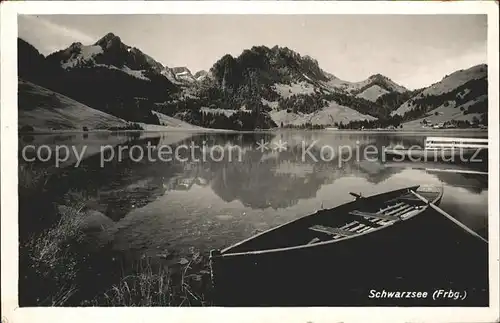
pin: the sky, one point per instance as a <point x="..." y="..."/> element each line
<point x="413" y="50"/>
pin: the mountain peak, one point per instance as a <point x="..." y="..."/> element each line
<point x="76" y="45"/>
<point x="385" y="82"/>
<point x="109" y="40"/>
<point x="378" y="77"/>
<point x="109" y="36"/>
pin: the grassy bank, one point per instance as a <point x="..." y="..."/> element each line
<point x="150" y="284"/>
<point x="62" y="264"/>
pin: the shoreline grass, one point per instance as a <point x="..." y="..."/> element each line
<point x="59" y="264"/>
<point x="151" y="285"/>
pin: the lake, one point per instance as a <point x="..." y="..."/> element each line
<point x="237" y="184"/>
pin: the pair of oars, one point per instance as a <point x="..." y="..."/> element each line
<point x="449" y="217"/>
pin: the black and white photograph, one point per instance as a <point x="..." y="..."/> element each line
<point x="260" y="160"/>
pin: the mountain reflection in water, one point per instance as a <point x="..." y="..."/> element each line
<point x="209" y="204"/>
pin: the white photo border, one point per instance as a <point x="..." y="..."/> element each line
<point x="9" y="207"/>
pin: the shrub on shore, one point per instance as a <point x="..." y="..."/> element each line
<point x="129" y="126"/>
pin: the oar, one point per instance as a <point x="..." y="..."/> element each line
<point x="357" y="196"/>
<point x="439" y="210"/>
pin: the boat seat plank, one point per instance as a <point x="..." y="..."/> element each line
<point x="391" y="207"/>
<point x="346" y="227"/>
<point x="410" y="213"/>
<point x="366" y="229"/>
<point x="332" y="231"/>
<point x="374" y="215"/>
<point x="401" y="209"/>
<point x="406" y="197"/>
<point x="375" y="218"/>
<point x="376" y="221"/>
<point x="363" y="229"/>
<point x="382" y="220"/>
<point x="364" y="221"/>
<point x="388" y="222"/>
<point x="397" y="216"/>
<point x="409" y="199"/>
<point x="355" y="229"/>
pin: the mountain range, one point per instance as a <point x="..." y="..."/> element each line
<point x="261" y="88"/>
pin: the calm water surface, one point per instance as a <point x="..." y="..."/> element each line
<point x="153" y="206"/>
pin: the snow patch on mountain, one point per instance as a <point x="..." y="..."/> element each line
<point x="271" y="104"/>
<point x="167" y="72"/>
<point x="307" y="77"/>
<point x="200" y="75"/>
<point x="81" y="55"/>
<point x="183" y="74"/>
<point x="138" y="74"/>
<point x="109" y="52"/>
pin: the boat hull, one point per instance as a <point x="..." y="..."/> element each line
<point x="423" y="254"/>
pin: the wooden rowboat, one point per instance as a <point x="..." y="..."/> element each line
<point x="335" y="257"/>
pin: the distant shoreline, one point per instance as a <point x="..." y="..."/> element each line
<point x="470" y="130"/>
<point x="205" y="130"/>
<point x="416" y="130"/>
<point x="76" y="131"/>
